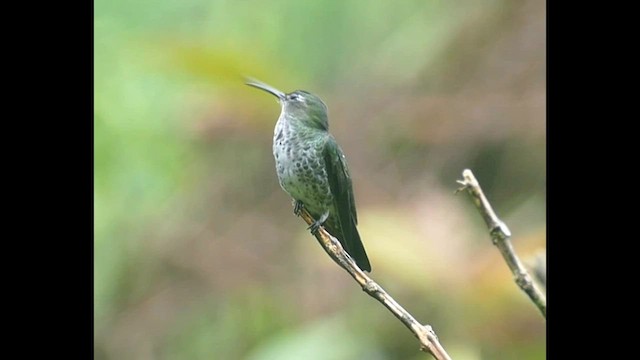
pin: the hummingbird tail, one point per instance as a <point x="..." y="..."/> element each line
<point x="350" y="241"/>
<point x="356" y="250"/>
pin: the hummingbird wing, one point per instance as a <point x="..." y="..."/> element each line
<point x="343" y="203"/>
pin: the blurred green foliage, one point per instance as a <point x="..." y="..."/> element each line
<point x="197" y="253"/>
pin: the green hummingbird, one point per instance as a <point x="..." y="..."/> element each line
<point x="312" y="168"/>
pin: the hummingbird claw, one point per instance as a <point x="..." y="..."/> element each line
<point x="297" y="207"/>
<point x="316" y="224"/>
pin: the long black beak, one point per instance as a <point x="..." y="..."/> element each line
<point x="265" y="87"/>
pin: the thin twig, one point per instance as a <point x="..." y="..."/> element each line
<point x="500" y="235"/>
<point x="539" y="267"/>
<point x="425" y="334"/>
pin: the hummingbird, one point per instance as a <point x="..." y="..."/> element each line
<point x="312" y="168"/>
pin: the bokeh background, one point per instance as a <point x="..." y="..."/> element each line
<point x="197" y="252"/>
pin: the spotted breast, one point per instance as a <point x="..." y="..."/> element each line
<point x="300" y="165"/>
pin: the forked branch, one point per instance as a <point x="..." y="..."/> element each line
<point x="501" y="237"/>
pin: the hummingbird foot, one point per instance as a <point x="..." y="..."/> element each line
<point x="316" y="224"/>
<point x="297" y="207"/>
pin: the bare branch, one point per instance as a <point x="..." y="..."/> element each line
<point x="500" y="235"/>
<point x="425" y="334"/>
<point x="538" y="265"/>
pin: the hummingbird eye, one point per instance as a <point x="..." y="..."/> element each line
<point x="295" y="97"/>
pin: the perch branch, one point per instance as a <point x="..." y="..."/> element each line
<point x="425" y="334"/>
<point x="500" y="235"/>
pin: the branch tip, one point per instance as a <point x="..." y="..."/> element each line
<point x="501" y="237"/>
<point x="428" y="340"/>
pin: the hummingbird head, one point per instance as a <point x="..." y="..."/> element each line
<point x="299" y="105"/>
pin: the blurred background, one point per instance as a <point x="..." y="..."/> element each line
<point x="197" y="252"/>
